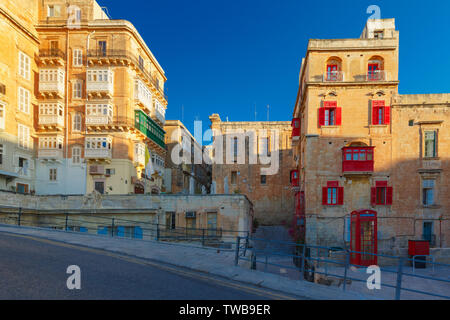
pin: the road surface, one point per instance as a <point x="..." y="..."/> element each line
<point x="34" y="268"/>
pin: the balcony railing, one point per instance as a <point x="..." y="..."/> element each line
<point x="378" y="75"/>
<point x="97" y="153"/>
<point x="98" y="120"/>
<point x="126" y="55"/>
<point x="358" y="159"/>
<point x="97" y="86"/>
<point x="51" y="120"/>
<point x="333" y="76"/>
<point x="50" y="154"/>
<point x="52" y="53"/>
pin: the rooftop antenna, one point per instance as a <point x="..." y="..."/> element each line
<point x="268" y="107"/>
<point x="227" y="118"/>
<point x="182" y="113"/>
<point x="255" y="111"/>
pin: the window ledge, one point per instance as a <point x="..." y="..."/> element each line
<point x="430" y="158"/>
<point x="331" y="127"/>
<point x="432" y="206"/>
<point x="378" y="126"/>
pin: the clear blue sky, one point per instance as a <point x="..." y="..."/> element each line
<point x="226" y="56"/>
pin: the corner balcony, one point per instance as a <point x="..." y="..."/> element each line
<point x="142" y="96"/>
<point x="358" y="160"/>
<point x="139" y="155"/>
<point x="148" y="129"/>
<point x="52" y="83"/>
<point x="50" y="154"/>
<point x="159" y="116"/>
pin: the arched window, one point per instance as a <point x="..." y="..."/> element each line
<point x="76" y="122"/>
<point x="334" y="69"/>
<point x="375" y="69"/>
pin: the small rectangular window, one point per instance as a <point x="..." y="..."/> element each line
<point x="77" y="57"/>
<point x="24" y="65"/>
<point x="428" y="192"/>
<point x="233" y="177"/>
<point x="77" y="90"/>
<point x="52" y="174"/>
<point x="430" y="144"/>
<point x="263" y="179"/>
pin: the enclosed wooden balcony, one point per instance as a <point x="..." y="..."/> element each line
<point x="51" y="116"/>
<point x="100" y="83"/>
<point x="358" y="160"/>
<point x="52" y="83"/>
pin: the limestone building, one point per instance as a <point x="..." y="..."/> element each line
<point x="89" y="98"/>
<point x="241" y="151"/>
<point x="183" y="174"/>
<point x="360" y="145"/>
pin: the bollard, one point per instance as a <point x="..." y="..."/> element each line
<point x="112" y="227"/>
<point x="347" y="263"/>
<point x="302" y="269"/>
<point x="18" y="218"/>
<point x="398" y="287"/>
<point x="67" y="218"/>
<point x="157" y="232"/>
<point x="236" y="256"/>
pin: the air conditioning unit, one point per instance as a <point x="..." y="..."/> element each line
<point x="96" y="170"/>
<point x="190" y="214"/>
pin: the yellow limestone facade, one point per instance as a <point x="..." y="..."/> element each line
<point x="362" y="145"/>
<point x="91" y="101"/>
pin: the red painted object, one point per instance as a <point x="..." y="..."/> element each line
<point x="418" y="247"/>
<point x="295" y="127"/>
<point x="364" y="239"/>
<point x="357" y="159"/>
<point x="295" y="181"/>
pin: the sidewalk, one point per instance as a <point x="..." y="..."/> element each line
<point x="205" y="260"/>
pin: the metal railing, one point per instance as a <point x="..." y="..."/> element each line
<point x="52" y="53"/>
<point x="125" y="54"/>
<point x="333" y="76"/>
<point x="125" y="228"/>
<point x="308" y="260"/>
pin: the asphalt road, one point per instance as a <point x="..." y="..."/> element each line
<point x="33" y="268"/>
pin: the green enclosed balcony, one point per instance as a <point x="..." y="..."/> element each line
<point x="149" y="128"/>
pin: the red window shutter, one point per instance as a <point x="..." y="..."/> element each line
<point x="321" y="116"/>
<point x="374" y="115"/>
<point x="340" y="196"/>
<point x="330" y="104"/>
<point x="373" y="196"/>
<point x="377" y="103"/>
<point x="389" y="195"/>
<point x="387" y="115"/>
<point x="324" y="196"/>
<point x="338" y="116"/>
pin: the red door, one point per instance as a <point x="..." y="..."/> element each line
<point x="332" y="74"/>
<point x="364" y="238"/>
<point x="373" y="74"/>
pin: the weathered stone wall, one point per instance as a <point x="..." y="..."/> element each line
<point x="234" y="212"/>
<point x="273" y="201"/>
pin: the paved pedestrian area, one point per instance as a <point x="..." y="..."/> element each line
<point x="208" y="260"/>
